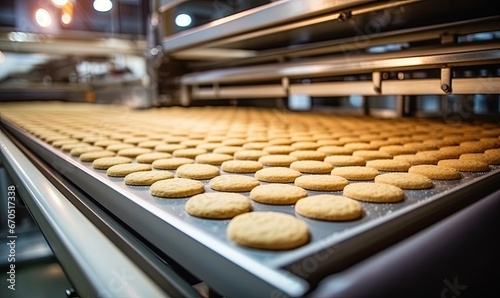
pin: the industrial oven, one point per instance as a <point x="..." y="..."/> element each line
<point x="414" y="81"/>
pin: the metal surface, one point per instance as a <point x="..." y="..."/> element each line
<point x="166" y="225"/>
<point x="92" y="262"/>
<point x="261" y="17"/>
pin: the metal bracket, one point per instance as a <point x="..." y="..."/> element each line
<point x="446" y="79"/>
<point x="285" y="83"/>
<point x="377" y="81"/>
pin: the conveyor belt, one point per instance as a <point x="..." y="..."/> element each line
<point x="201" y="246"/>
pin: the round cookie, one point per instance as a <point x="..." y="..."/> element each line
<point x="84" y="149"/>
<point x="171" y="163"/>
<point x="405" y="180"/>
<point x="278" y="160"/>
<point x="277" y="174"/>
<point x="344" y="160"/>
<point x="227" y="149"/>
<point x="489" y="159"/>
<point x="197" y="171"/>
<point x="374" y="192"/>
<point x="388" y="165"/>
<point x="241" y="166"/>
<point x="118" y="146"/>
<point x="93" y="155"/>
<point x="133" y="152"/>
<point x="146" y="178"/>
<point x="233" y="183"/>
<point x="213" y="158"/>
<point x="169" y="148"/>
<point x="372" y="154"/>
<point x="414" y="159"/>
<point x="397" y="150"/>
<point x="104" y="163"/>
<point x="311" y="166"/>
<point x="217" y="205"/>
<point x="465" y="165"/>
<point x="329" y="207"/>
<point x="279" y="149"/>
<point x="277" y="194"/>
<point x="249" y="154"/>
<point x="436" y="172"/>
<point x="69" y="147"/>
<point x="357" y="173"/>
<point x="335" y="150"/>
<point x="321" y="182"/>
<point x="123" y="170"/>
<point x="268" y="230"/>
<point x="176" y="188"/>
<point x="151" y="157"/>
<point x="308" y="155"/>
<point x="189" y="152"/>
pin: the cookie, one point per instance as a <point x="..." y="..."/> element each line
<point x="489" y="159"/>
<point x="305" y="145"/>
<point x="311" y="166"/>
<point x="279" y="149"/>
<point x="335" y="150"/>
<point x="189" y="152"/>
<point x="241" y="166"/>
<point x="197" y="171"/>
<point x="414" y="159"/>
<point x="357" y="173"/>
<point x="268" y="230"/>
<point x="93" y="155"/>
<point x="123" y="170"/>
<point x="345" y="160"/>
<point x="436" y="172"/>
<point x="171" y="163"/>
<point x="106" y="142"/>
<point x="277" y="174"/>
<point x="213" y="158"/>
<point x="233" y="183"/>
<point x="249" y="154"/>
<point x="62" y="142"/>
<point x="227" y="149"/>
<point x="372" y="154"/>
<point x="329" y="207"/>
<point x="277" y="194"/>
<point x="71" y="146"/>
<point x="405" y="180"/>
<point x="392" y="165"/>
<point x="151" y="144"/>
<point x="321" y="182"/>
<point x="118" y="146"/>
<point x="151" y="157"/>
<point x="104" y="163"/>
<point x="146" y="178"/>
<point x="397" y="150"/>
<point x="464" y="165"/>
<point x="176" y="188"/>
<point x="374" y="192"/>
<point x="133" y="152"/>
<point x="169" y="148"/>
<point x="84" y="149"/>
<point x="308" y="155"/>
<point x="278" y="160"/>
<point x="217" y="205"/>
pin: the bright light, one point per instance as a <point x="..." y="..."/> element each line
<point x="103" y="5"/>
<point x="183" y="20"/>
<point x="66" y="18"/>
<point x="2" y="57"/>
<point x="43" y="18"/>
<point x="59" y="3"/>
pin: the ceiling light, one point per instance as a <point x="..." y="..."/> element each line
<point x="183" y="20"/>
<point x="103" y="5"/>
<point x="66" y="18"/>
<point x="59" y="3"/>
<point x="43" y="18"/>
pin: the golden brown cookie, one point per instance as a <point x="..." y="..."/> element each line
<point x="151" y="157"/>
<point x="464" y="165"/>
<point x="241" y="166"/>
<point x="392" y="165"/>
<point x="329" y="207"/>
<point x="414" y="159"/>
<point x="268" y="230"/>
<point x="104" y="163"/>
<point x="169" y="148"/>
<point x="397" y="150"/>
<point x="133" y="152"/>
<point x="372" y="154"/>
<point x="213" y="158"/>
<point x="218" y="205"/>
<point x="118" y="146"/>
<point x="357" y="173"/>
<point x="84" y="149"/>
<point x="233" y="183"/>
<point x="279" y="149"/>
<point x="171" y="163"/>
<point x="335" y="150"/>
<point x="277" y="174"/>
<point x="345" y="160"/>
<point x="105" y="142"/>
<point x="278" y="160"/>
<point x="308" y="155"/>
<point x="69" y="147"/>
<point x="176" y="188"/>
<point x="489" y="159"/>
<point x="189" y="152"/>
<point x="231" y="150"/>
<point x="146" y="178"/>
<point x="374" y="192"/>
<point x="305" y="145"/>
<point x="249" y="154"/>
<point x="197" y="171"/>
<point x="311" y="166"/>
<point x="436" y="172"/>
<point x="321" y="182"/>
<point x="277" y="194"/>
<point x="123" y="170"/>
<point x="405" y="180"/>
<point x="93" y="155"/>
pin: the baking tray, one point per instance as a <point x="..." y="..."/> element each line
<point x="201" y="246"/>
